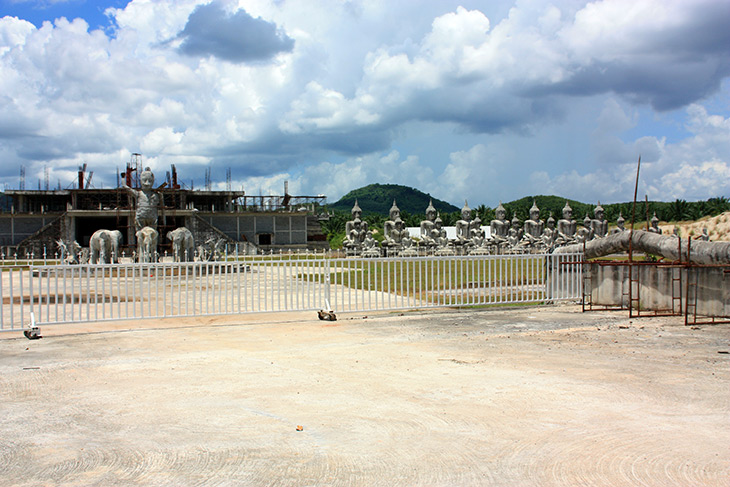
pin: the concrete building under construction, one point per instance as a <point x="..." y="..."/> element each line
<point x="34" y="220"/>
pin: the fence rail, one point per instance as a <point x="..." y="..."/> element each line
<point x="77" y="293"/>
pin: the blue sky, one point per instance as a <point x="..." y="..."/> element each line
<point x="39" y="11"/>
<point x="484" y="101"/>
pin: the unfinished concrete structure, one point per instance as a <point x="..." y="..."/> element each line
<point x="37" y="219"/>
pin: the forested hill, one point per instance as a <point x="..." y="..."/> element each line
<point x="378" y="198"/>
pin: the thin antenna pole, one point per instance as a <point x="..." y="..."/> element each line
<point x="631" y="240"/>
<point x="633" y="208"/>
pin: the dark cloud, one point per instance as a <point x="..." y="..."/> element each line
<point x="663" y="86"/>
<point x="281" y="152"/>
<point x="14" y="129"/>
<point x="704" y="32"/>
<point x="238" y="37"/>
<point x="96" y="140"/>
<point x="41" y="149"/>
<point x="668" y="68"/>
<point x="13" y="122"/>
<point x="476" y="110"/>
<point x="356" y="142"/>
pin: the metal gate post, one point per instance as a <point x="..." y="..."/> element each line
<point x="327" y="290"/>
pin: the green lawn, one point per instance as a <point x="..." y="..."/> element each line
<point x="434" y="279"/>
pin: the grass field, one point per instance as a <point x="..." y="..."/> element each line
<point x="434" y="279"/>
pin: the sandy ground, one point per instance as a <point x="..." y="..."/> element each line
<point x="506" y="397"/>
<point x="718" y="227"/>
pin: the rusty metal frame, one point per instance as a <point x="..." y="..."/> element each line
<point x="634" y="312"/>
<point x="687" y="292"/>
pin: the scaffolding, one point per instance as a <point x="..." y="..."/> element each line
<point x="279" y="203"/>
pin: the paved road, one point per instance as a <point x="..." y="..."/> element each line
<point x="529" y="397"/>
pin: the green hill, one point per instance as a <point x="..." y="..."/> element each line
<point x="378" y="198"/>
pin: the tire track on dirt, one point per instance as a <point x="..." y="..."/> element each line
<point x="192" y="467"/>
<point x="607" y="458"/>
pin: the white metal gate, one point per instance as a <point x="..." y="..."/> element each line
<point x="75" y="293"/>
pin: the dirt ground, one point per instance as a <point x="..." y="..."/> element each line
<point x="544" y="396"/>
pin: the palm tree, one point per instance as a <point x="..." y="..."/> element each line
<point x="484" y="213"/>
<point x="449" y="219"/>
<point x="678" y="210"/>
<point x="335" y="224"/>
<point x="718" y="205"/>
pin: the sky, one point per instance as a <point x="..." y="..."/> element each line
<point x="469" y="101"/>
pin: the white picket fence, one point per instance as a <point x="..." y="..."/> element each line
<point x="58" y="294"/>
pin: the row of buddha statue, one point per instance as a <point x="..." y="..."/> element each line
<point x="505" y="236"/>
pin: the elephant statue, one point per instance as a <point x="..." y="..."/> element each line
<point x="183" y="246"/>
<point x="147" y="244"/>
<point x="104" y="246"/>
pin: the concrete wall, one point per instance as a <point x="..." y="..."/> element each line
<point x="713" y="290"/>
<point x="289" y="229"/>
<point x="608" y="286"/>
<point x="14" y="228"/>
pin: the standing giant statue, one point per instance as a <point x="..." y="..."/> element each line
<point x="147" y="203"/>
<point x="146" y="200"/>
